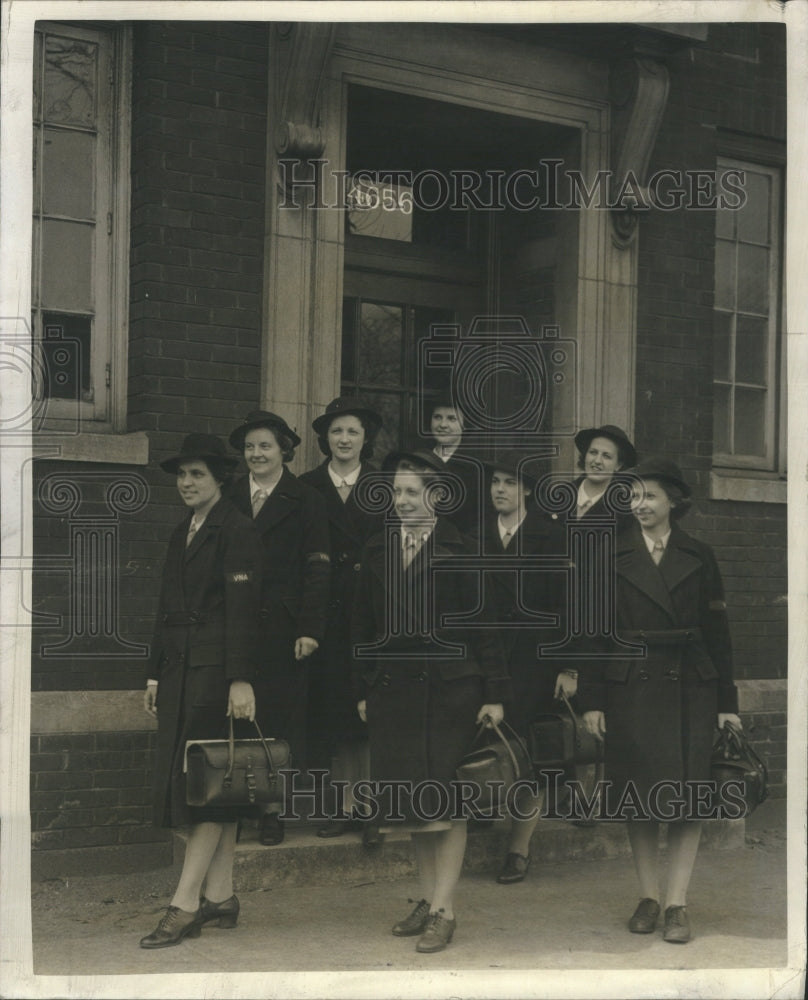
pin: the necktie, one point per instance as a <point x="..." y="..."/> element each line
<point x="410" y="549"/>
<point x="191" y="532"/>
<point x="258" y="501"/>
<point x="658" y="552"/>
<point x="344" y="490"/>
<point x="582" y="508"/>
<point x="506" y="538"/>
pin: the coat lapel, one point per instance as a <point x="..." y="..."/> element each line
<point x="284" y="499"/>
<point x="634" y="564"/>
<point x="209" y="527"/>
<point x="681" y="559"/>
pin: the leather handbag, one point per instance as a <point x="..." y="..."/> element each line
<point x="235" y="773"/>
<point x="734" y="759"/>
<point x="494" y="767"/>
<point x="561" y="739"/>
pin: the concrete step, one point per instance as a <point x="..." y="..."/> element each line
<point x="306" y="859"/>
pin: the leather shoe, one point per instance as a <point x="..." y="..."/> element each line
<point x="514" y="869"/>
<point x="226" y="912"/>
<point x="415" y="922"/>
<point x="175" y="924"/>
<point x="644" y="919"/>
<point x="333" y="828"/>
<point x="271" y="830"/>
<point x="677" y="926"/>
<point x="438" y="933"/>
<point x="371" y="835"/>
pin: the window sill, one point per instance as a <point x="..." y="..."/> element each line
<point x="752" y="487"/>
<point x="111" y="449"/>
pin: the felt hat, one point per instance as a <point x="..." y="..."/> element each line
<point x="261" y="418"/>
<point x="585" y="437"/>
<point x="200" y="446"/>
<point x="346" y="406"/>
<point x="663" y="470"/>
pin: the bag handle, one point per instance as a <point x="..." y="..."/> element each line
<point x="733" y="744"/>
<point x="575" y="719"/>
<point x="504" y="740"/>
<point x="231" y="751"/>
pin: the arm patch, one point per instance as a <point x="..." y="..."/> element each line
<point x="717" y="605"/>
<point x="318" y="557"/>
<point x="245" y="576"/>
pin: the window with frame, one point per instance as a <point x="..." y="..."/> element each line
<point x="748" y="403"/>
<point x="80" y="233"/>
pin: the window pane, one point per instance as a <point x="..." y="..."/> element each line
<point x="389" y="406"/>
<point x="70" y="81"/>
<point x="724" y="275"/>
<point x="380" y="338"/>
<point x="753" y="279"/>
<point x="752" y="350"/>
<point x="753" y="217"/>
<point x="722" y="333"/>
<point x="348" y="372"/>
<point x="750" y="421"/>
<point x="66" y="353"/>
<point x="67" y="265"/>
<point x="436" y="375"/>
<point x="721" y="416"/>
<point x="68" y="179"/>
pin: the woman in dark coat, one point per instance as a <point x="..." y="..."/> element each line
<point x="528" y="609"/>
<point x="658" y="711"/>
<point x="446" y="427"/>
<point x="337" y="736"/>
<point x="202" y="670"/>
<point x="291" y="521"/>
<point x="425" y="687"/>
<point x="602" y="452"/>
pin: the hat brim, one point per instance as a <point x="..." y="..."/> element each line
<point x="585" y="437"/>
<point x="492" y="466"/>
<point x="171" y="465"/>
<point x="321" y="424"/>
<point x="662" y="477"/>
<point x="423" y="458"/>
<point x="236" y="439"/>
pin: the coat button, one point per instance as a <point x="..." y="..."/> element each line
<point x="357" y="567"/>
<point x="386" y="680"/>
<point x="165" y="618"/>
<point x="641" y="636"/>
<point x="643" y="675"/>
<point x="264" y="613"/>
<point x="674" y="675"/>
<point x="423" y="676"/>
<point x="195" y="616"/>
<point x="689" y="636"/>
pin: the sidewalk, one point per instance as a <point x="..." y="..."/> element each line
<point x="566" y="915"/>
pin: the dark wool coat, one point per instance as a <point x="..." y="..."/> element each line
<point x="515" y="599"/>
<point x="205" y="636"/>
<point x="422" y="697"/>
<point x="660" y="708"/>
<point x="332" y="708"/>
<point x="599" y="509"/>
<point x="293" y="531"/>
<point x="470" y="471"/>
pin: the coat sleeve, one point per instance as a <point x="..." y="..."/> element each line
<point x="363" y="628"/>
<point x="715" y="629"/>
<point x="316" y="547"/>
<point x="241" y="566"/>
<point x="485" y="643"/>
<point x="153" y="666"/>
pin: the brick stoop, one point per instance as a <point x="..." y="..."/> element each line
<point x="306" y="859"/>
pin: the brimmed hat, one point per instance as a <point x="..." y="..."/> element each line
<point x="261" y="418"/>
<point x="585" y="437"/>
<point x="514" y="462"/>
<point x="346" y="406"/>
<point x="662" y="469"/>
<point x="417" y="456"/>
<point x="201" y="446"/>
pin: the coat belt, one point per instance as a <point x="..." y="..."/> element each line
<point x="665" y="636"/>
<point x="184" y="618"/>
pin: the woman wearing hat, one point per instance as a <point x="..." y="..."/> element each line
<point x="528" y="606"/>
<point x="602" y="452"/>
<point x="202" y="669"/>
<point x="422" y="686"/>
<point x="657" y="711"/>
<point x="446" y="427"/>
<point x="337" y="736"/>
<point x="290" y="518"/>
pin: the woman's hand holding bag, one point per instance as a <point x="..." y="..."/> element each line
<point x="595" y="722"/>
<point x="490" y="716"/>
<point x="241" y="701"/>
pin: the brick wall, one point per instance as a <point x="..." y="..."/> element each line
<point x="733" y="83"/>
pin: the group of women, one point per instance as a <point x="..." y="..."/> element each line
<point x="287" y="600"/>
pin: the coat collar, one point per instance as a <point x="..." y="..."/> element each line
<point x="286" y="497"/>
<point x="634" y="564"/>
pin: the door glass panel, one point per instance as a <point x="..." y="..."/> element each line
<point x="70" y="81"/>
<point x="67" y="249"/>
<point x="753" y="279"/>
<point x="348" y="370"/>
<point x="391" y="407"/>
<point x="380" y="343"/>
<point x="68" y="173"/>
<point x="753" y="216"/>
